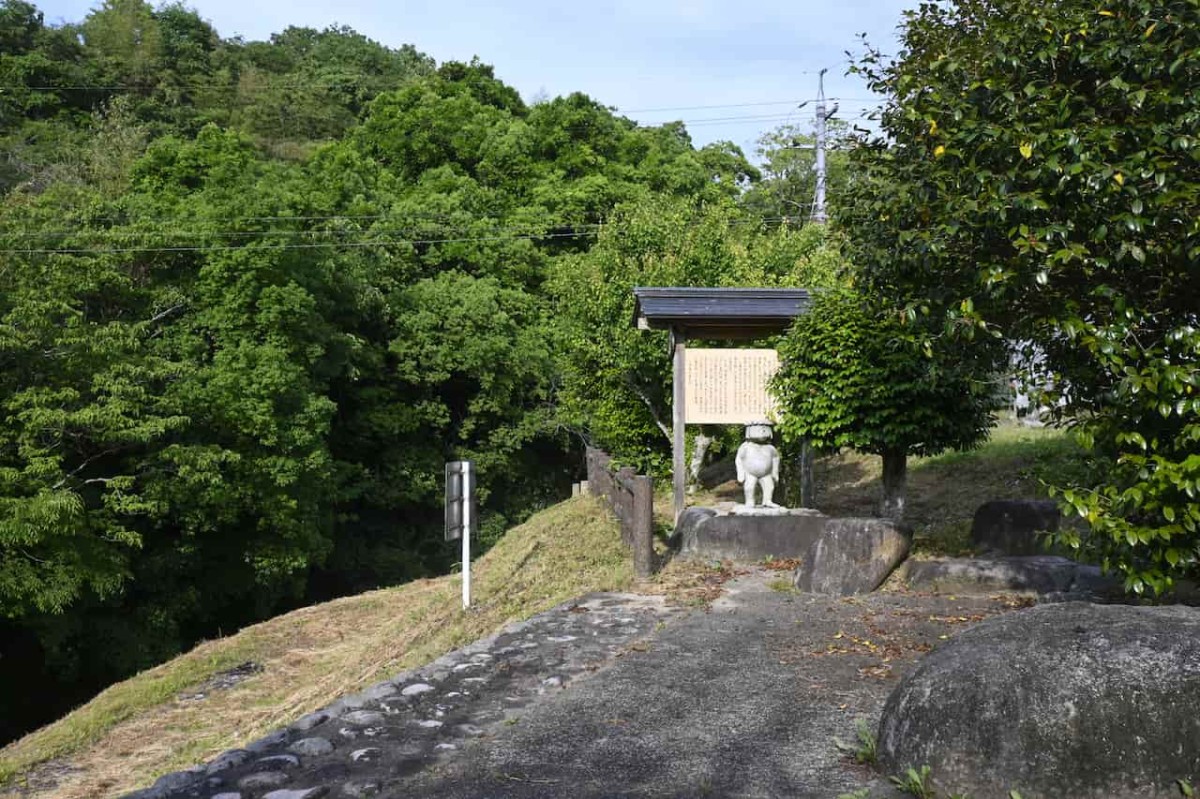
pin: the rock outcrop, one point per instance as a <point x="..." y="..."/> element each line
<point x="1039" y="574"/>
<point x="852" y="556"/>
<point x="1064" y="700"/>
<point x="748" y="535"/>
<point x="1012" y="526"/>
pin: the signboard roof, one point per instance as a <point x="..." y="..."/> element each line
<point x="719" y="312"/>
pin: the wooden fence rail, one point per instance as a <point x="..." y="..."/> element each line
<point x="631" y="497"/>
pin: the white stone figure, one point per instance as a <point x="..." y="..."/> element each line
<point x="758" y="464"/>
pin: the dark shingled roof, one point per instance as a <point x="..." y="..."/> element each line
<point x="719" y="312"/>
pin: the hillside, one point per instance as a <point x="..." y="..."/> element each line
<point x="179" y="713"/>
<point x="255" y="294"/>
<point x="209" y="699"/>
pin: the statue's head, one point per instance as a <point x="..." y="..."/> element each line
<point x="760" y="432"/>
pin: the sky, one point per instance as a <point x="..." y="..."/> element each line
<point x="751" y="63"/>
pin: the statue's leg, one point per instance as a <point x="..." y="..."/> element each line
<point x="768" y="488"/>
<point x="748" y="488"/>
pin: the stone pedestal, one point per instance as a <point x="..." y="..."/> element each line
<point x="747" y="535"/>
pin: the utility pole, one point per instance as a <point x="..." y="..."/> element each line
<point x="818" y="212"/>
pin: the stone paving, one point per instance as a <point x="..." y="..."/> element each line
<point x="745" y="699"/>
<point x="367" y="744"/>
<point x="617" y="695"/>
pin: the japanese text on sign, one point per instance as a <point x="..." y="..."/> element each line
<point x="723" y="386"/>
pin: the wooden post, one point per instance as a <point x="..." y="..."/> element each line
<point x="643" y="525"/>
<point x="678" y="466"/>
<point x="808" y="489"/>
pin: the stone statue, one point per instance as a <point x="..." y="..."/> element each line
<point x="758" y="464"/>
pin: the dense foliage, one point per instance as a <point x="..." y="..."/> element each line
<point x="850" y="377"/>
<point x="616" y="383"/>
<point x="788" y="164"/>
<point x="253" y="295"/>
<point x="1039" y="179"/>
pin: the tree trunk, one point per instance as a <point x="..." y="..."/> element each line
<point x="700" y="444"/>
<point x="895" y="477"/>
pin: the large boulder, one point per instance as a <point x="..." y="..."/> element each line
<point x="1065" y="700"/>
<point x="1011" y="526"/>
<point x="852" y="556"/>
<point x="686" y="524"/>
<point x="1039" y="574"/>
<point x="715" y="474"/>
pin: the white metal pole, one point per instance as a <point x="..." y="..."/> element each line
<point x="818" y="213"/>
<point x="466" y="536"/>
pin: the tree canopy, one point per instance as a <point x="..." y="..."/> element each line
<point x="850" y="377"/>
<point x="616" y="380"/>
<point x="253" y="295"/>
<point x="1037" y="179"/>
<point x="789" y="161"/>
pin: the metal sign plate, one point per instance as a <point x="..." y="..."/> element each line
<point x="460" y="489"/>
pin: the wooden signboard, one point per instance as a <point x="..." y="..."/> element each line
<point x="729" y="386"/>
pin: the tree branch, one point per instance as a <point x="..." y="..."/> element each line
<point x="32" y="558"/>
<point x="158" y="317"/>
<point x="80" y="468"/>
<point x="641" y="394"/>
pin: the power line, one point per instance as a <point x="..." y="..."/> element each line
<point x="310" y="246"/>
<point x="770" y="119"/>
<point x="256" y="246"/>
<point x="742" y="119"/>
<point x="238" y="86"/>
<point x="234" y="84"/>
<point x="308" y="232"/>
<point x="750" y="118"/>
<point x="165" y="220"/>
<point x="705" y="107"/>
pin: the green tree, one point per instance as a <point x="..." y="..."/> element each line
<point x="310" y="85"/>
<point x="850" y="377"/>
<point x="1037" y="179"/>
<point x="789" y="180"/>
<point x="125" y="39"/>
<point x="616" y="385"/>
<point x="169" y="395"/>
<point x="254" y="294"/>
<point x="36" y="117"/>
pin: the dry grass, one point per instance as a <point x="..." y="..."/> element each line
<point x="141" y="728"/>
<point x="690" y="582"/>
<point x="943" y="491"/>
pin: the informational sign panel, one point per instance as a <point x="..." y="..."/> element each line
<point x="728" y="386"/>
<point x="460" y="497"/>
<point x="461" y="516"/>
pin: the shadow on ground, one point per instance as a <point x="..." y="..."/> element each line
<point x="744" y="700"/>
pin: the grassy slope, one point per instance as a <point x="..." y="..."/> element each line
<point x="140" y="728"/>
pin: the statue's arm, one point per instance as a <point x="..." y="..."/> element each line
<point x="774" y="464"/>
<point x="739" y="462"/>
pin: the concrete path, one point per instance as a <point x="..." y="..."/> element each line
<point x="618" y="695"/>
